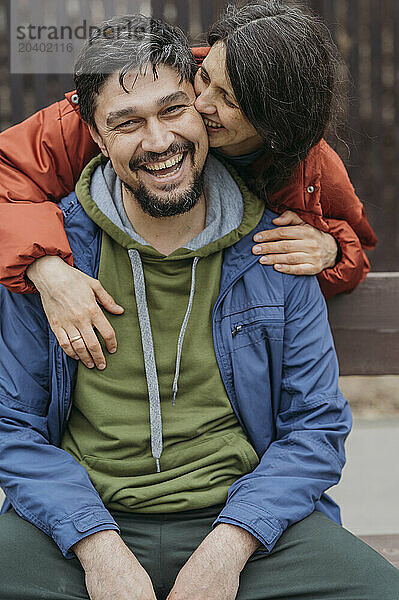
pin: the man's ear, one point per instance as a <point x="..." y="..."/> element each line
<point x="98" y="139"/>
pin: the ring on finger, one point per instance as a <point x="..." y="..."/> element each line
<point x="75" y="339"/>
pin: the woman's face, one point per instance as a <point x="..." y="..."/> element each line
<point x="228" y="128"/>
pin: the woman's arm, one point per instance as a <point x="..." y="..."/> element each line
<point x="326" y="231"/>
<point x="40" y="161"/>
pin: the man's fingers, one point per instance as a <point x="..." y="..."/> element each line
<point x="106" y="300"/>
<point x="106" y="331"/>
<point x="295" y="258"/>
<point x="65" y="344"/>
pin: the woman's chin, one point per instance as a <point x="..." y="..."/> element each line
<point x="219" y="144"/>
<point x="215" y="144"/>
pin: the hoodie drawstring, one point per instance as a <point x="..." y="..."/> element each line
<point x="149" y="352"/>
<point x="183" y="329"/>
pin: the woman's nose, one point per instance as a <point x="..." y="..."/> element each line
<point x="204" y="103"/>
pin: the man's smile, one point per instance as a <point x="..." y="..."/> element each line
<point x="168" y="170"/>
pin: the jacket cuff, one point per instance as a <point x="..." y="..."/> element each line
<point x="352" y="264"/>
<point x="261" y="524"/>
<point x="23" y="285"/>
<point x="74" y="528"/>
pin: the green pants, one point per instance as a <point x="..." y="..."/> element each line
<point x="314" y="559"/>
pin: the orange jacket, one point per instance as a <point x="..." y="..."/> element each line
<point x="41" y="160"/>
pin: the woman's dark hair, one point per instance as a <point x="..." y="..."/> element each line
<point x="124" y="43"/>
<point x="286" y="75"/>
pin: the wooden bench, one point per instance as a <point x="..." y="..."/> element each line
<point x="365" y="326"/>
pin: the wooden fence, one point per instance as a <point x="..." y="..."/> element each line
<point x="367" y="33"/>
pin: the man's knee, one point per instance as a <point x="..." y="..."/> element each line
<point x="31" y="564"/>
<point x="342" y="557"/>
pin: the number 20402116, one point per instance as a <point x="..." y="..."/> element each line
<point x="45" y="47"/>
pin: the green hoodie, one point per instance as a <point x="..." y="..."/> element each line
<point x="125" y="416"/>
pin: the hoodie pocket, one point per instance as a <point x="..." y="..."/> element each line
<point x="201" y="472"/>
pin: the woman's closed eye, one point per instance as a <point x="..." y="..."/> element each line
<point x="206" y="79"/>
<point x="204" y="76"/>
<point x="229" y="102"/>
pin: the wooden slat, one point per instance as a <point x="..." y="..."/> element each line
<point x="183" y="20"/>
<point x="329" y="14"/>
<point x="353" y="24"/>
<point x="395" y="16"/>
<point x="376" y="124"/>
<point x="109" y="9"/>
<point x="387" y="545"/>
<point x="207" y="15"/>
<point x="16" y="83"/>
<point x="365" y="326"/>
<point x="157" y="8"/>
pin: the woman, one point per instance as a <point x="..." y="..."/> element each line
<point x="267" y="91"/>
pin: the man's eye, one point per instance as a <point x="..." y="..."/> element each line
<point x="126" y="124"/>
<point x="172" y="109"/>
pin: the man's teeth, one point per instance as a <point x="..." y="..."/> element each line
<point x="169" y="174"/>
<point x="213" y="124"/>
<point x="165" y="165"/>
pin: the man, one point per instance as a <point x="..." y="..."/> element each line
<point x="211" y="436"/>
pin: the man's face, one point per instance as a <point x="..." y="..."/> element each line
<point x="154" y="137"/>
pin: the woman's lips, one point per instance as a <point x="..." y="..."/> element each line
<point x="213" y="126"/>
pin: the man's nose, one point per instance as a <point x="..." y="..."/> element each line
<point x="204" y="103"/>
<point x="157" y="137"/>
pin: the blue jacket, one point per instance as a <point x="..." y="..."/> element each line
<point x="275" y="353"/>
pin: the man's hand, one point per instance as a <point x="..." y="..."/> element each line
<point x="213" y="571"/>
<point x="296" y="247"/>
<point x="70" y="300"/>
<point x="112" y="572"/>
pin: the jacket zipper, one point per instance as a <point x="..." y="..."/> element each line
<point x="242" y="326"/>
<point x="215" y="337"/>
<point x="236" y="330"/>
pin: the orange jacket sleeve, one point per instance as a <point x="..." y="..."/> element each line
<point x="346" y="219"/>
<point x="353" y="266"/>
<point x="40" y="161"/>
<point x="322" y="194"/>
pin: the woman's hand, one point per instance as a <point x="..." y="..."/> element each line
<point x="296" y="247"/>
<point x="71" y="302"/>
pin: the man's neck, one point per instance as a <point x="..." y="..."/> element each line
<point x="169" y="233"/>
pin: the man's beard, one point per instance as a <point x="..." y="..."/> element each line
<point x="176" y="203"/>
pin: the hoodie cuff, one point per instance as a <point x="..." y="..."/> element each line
<point x="74" y="528"/>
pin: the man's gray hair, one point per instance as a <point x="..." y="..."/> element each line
<point x="125" y="43"/>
